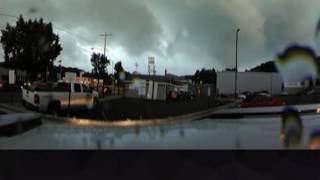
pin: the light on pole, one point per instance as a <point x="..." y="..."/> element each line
<point x="236" y="70"/>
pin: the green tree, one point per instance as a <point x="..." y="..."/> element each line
<point x="99" y="63"/>
<point x="265" y="67"/>
<point x="31" y="46"/>
<point x="119" y="71"/>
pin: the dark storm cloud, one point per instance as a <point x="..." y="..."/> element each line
<point x="291" y="21"/>
<point x="183" y="35"/>
<point x="134" y="28"/>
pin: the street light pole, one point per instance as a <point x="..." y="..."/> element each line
<point x="60" y="61"/>
<point x="154" y="74"/>
<point x="236" y="70"/>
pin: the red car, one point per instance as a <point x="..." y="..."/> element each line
<point x="172" y="95"/>
<point x="261" y="101"/>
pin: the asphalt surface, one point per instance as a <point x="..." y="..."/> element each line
<point x="253" y="133"/>
<point x="10" y="97"/>
<point x="207" y="133"/>
<point x="135" y="108"/>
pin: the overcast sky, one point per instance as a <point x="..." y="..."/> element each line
<point x="182" y="35"/>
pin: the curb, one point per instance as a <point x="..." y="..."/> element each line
<point x="128" y="122"/>
<point x="135" y="123"/>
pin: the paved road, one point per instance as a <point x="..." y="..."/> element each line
<point x="10" y="97"/>
<point x="263" y="133"/>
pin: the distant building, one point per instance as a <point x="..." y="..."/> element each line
<point x="21" y="76"/>
<point x="249" y="81"/>
<point x="302" y="86"/>
<point x="159" y="86"/>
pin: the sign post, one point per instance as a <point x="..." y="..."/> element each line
<point x="151" y="64"/>
<point x="70" y="77"/>
<point x="12" y="77"/>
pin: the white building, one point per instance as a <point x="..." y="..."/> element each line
<point x="249" y="81"/>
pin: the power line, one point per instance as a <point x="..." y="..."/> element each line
<point x="67" y="30"/>
<point x="105" y="35"/>
<point x="8" y="15"/>
<point x="58" y="28"/>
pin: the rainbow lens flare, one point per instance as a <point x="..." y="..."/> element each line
<point x="136" y="84"/>
<point x="122" y="76"/>
<point x="314" y="143"/>
<point x="292" y="128"/>
<point x="298" y="63"/>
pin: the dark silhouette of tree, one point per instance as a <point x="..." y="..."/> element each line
<point x="205" y="76"/>
<point x="31" y="46"/>
<point x="118" y="72"/>
<point x="118" y="69"/>
<point x="100" y="63"/>
<point x="265" y="67"/>
<point x="230" y="69"/>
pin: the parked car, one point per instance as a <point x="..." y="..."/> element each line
<point x="53" y="97"/>
<point x="242" y="96"/>
<point x="172" y="95"/>
<point x="284" y="93"/>
<point x="314" y="92"/>
<point x="259" y="100"/>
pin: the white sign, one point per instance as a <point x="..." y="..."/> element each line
<point x="70" y="76"/>
<point x="149" y="95"/>
<point x="293" y="85"/>
<point x="12" y="77"/>
<point x="81" y="74"/>
<point x="209" y="91"/>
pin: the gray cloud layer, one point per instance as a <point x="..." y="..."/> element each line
<point x="183" y="35"/>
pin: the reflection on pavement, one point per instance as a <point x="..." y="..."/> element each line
<point x="251" y="133"/>
<point x="315" y="140"/>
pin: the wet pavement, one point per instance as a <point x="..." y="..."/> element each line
<point x="252" y="133"/>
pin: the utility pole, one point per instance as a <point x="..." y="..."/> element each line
<point x="148" y="81"/>
<point x="113" y="77"/>
<point x="105" y="35"/>
<point x="271" y="84"/>
<point x="60" y="61"/>
<point x="136" y="65"/>
<point x="151" y="62"/>
<point x="154" y="74"/>
<point x="236" y="88"/>
<point x="236" y="70"/>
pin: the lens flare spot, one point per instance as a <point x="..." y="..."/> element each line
<point x="90" y="107"/>
<point x="314" y="143"/>
<point x="292" y="128"/>
<point x="136" y="84"/>
<point x="122" y="76"/>
<point x="297" y="63"/>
